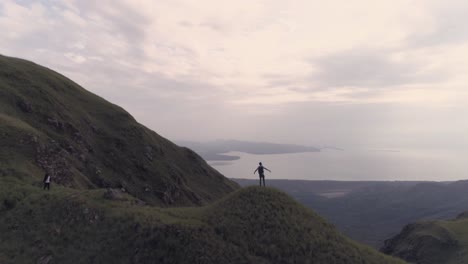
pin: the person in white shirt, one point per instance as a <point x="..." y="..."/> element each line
<point x="46" y="181"/>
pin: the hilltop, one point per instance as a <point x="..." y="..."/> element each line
<point x="49" y="123"/>
<point x="252" y="225"/>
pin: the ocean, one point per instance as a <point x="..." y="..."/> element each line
<point x="353" y="165"/>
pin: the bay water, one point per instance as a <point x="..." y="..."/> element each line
<point x="353" y="165"/>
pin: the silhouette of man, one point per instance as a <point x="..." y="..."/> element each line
<point x="261" y="172"/>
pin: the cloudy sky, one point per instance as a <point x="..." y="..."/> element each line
<point x="386" y="74"/>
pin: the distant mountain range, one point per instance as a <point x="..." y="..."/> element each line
<point x="213" y="150"/>
<point x="371" y="212"/>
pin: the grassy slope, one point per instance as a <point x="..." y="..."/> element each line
<point x="432" y="242"/>
<point x="49" y="123"/>
<point x="459" y="230"/>
<point x="252" y="225"/>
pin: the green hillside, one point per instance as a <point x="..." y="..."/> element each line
<point x="252" y="225"/>
<point x="49" y="123"/>
<point x="432" y="242"/>
<point x="123" y="194"/>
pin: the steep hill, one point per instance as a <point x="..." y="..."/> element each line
<point x="432" y="242"/>
<point x="49" y="123"/>
<point x="252" y="225"/>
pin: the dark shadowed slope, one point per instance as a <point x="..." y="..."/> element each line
<point x="252" y="225"/>
<point x="49" y="123"/>
<point x="432" y="242"/>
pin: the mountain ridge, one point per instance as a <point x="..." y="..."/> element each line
<point x="49" y="123"/>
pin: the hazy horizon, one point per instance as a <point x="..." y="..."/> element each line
<point x="350" y="165"/>
<point x="376" y="74"/>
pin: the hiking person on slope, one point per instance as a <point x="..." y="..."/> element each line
<point x="261" y="172"/>
<point x="46" y="181"/>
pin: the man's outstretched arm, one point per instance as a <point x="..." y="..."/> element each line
<point x="267" y="169"/>
<point x="255" y="170"/>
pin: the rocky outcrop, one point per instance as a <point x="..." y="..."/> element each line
<point x="114" y="195"/>
<point x="24" y="106"/>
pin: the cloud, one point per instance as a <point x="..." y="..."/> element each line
<point x="446" y="26"/>
<point x="370" y="68"/>
<point x="228" y="67"/>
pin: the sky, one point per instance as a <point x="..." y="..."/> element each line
<point x="374" y="73"/>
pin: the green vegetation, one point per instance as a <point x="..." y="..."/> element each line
<point x="110" y="174"/>
<point x="49" y="123"/>
<point x="253" y="225"/>
<point x="432" y="242"/>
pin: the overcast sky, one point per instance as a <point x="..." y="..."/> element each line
<point x="385" y="74"/>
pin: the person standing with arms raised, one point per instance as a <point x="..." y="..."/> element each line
<point x="261" y="173"/>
